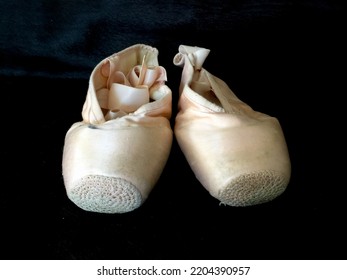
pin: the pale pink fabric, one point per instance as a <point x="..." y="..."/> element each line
<point x="238" y="154"/>
<point x="114" y="157"/>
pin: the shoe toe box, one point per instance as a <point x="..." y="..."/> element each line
<point x="253" y="188"/>
<point x="105" y="194"/>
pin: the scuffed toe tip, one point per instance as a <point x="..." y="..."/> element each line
<point x="253" y="188"/>
<point x="102" y="194"/>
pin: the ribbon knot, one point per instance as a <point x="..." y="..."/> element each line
<point x="195" y="55"/>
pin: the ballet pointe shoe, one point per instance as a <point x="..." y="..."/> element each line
<point x="115" y="156"/>
<point x="239" y="155"/>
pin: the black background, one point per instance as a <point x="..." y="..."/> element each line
<point x="284" y="58"/>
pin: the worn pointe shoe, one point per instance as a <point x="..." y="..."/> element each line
<point x="114" y="157"/>
<point x="239" y="155"/>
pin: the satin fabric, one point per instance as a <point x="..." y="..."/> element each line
<point x="125" y="133"/>
<point x="239" y="155"/>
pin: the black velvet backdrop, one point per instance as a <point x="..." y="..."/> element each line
<point x="283" y="58"/>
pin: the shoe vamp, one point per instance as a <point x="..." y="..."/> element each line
<point x="218" y="154"/>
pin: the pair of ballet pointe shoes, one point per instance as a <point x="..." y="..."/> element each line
<point x="115" y="156"/>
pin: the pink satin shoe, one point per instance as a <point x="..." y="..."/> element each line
<point x="239" y="155"/>
<point x="114" y="157"/>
